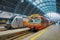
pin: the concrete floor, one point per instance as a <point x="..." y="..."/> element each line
<point x="53" y="33"/>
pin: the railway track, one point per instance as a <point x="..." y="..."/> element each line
<point x="17" y="36"/>
<point x="21" y="36"/>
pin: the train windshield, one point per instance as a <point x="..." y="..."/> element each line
<point x="35" y="21"/>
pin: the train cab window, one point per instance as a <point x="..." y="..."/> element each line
<point x="31" y="20"/>
<point x="37" y="20"/>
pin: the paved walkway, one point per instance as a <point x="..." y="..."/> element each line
<point x="50" y="33"/>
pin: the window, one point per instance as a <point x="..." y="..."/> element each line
<point x="48" y="0"/>
<point x="41" y="1"/>
<point x="37" y="1"/>
<point x="53" y="0"/>
<point x="53" y="3"/>
<point x="43" y="4"/>
<point x="45" y="0"/>
<point x="31" y="21"/>
<point x="47" y="3"/>
<point x="30" y="0"/>
<point x="34" y="3"/>
<point x="38" y="6"/>
<point x="38" y="21"/>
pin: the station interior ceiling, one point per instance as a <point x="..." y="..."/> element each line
<point x="28" y="7"/>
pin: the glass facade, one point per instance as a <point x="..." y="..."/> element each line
<point x="44" y="5"/>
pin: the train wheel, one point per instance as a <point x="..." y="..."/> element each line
<point x="8" y="27"/>
<point x="33" y="29"/>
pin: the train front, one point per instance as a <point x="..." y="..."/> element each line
<point x="37" y="22"/>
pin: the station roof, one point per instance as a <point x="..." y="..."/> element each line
<point x="28" y="7"/>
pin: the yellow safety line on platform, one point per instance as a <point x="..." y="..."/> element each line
<point x="39" y="33"/>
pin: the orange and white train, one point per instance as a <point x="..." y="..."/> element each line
<point x="37" y="22"/>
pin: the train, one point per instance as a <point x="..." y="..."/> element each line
<point x="17" y="22"/>
<point x="37" y="22"/>
<point x="34" y="22"/>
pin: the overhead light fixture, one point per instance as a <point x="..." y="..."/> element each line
<point x="22" y="1"/>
